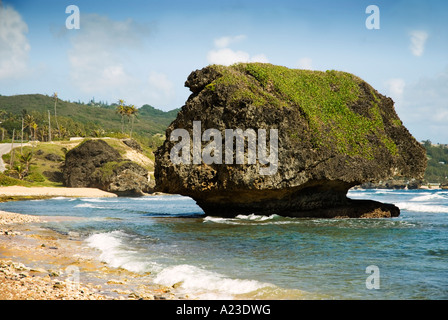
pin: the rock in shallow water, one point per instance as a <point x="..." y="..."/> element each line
<point x="327" y="132"/>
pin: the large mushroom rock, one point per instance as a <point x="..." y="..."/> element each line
<point x="96" y="164"/>
<point x="333" y="132"/>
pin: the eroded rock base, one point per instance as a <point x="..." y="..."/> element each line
<point x="351" y="209"/>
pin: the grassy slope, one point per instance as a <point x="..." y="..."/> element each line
<point x="149" y="121"/>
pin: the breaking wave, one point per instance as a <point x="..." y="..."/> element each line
<point x="201" y="283"/>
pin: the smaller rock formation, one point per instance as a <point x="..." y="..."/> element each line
<point x="95" y="164"/>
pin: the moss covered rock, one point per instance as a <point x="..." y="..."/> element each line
<point x="334" y="132"/>
<point x="96" y="164"/>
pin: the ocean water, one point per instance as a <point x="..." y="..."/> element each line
<point x="267" y="257"/>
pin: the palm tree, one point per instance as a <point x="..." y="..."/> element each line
<point x="43" y="133"/>
<point x="98" y="132"/>
<point x="121" y="110"/>
<point x="34" y="126"/>
<point x="131" y="112"/>
<point x="29" y="123"/>
<point x="25" y="159"/>
<point x="63" y="132"/>
<point x="78" y="132"/>
<point x="55" y="96"/>
<point x="20" y="171"/>
<point x="3" y="114"/>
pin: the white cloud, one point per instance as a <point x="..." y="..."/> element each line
<point x="395" y="88"/>
<point x="100" y="64"/>
<point x="224" y="42"/>
<point x="305" y="63"/>
<point x="418" y="41"/>
<point x="424" y="107"/>
<point x="95" y="62"/>
<point x="14" y="45"/>
<point x="160" y="87"/>
<point x="226" y="56"/>
<point x="259" y="58"/>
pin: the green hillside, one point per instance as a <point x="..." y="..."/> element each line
<point x="76" y="119"/>
<point x="437" y="169"/>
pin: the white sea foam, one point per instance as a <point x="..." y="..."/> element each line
<point x="254" y="217"/>
<point x="380" y="191"/>
<point x="194" y="280"/>
<point x="59" y="198"/>
<point x="97" y="200"/>
<point x="150" y="198"/>
<point x="430" y="196"/>
<point x="89" y="205"/>
<point x="219" y="220"/>
<point x="364" y="194"/>
<point x="241" y="219"/>
<point x="206" y="284"/>
<point x="417" y="207"/>
<point x="118" y="255"/>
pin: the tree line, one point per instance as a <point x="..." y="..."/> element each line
<point x="437" y="167"/>
<point x="48" y="126"/>
<point x="129" y="111"/>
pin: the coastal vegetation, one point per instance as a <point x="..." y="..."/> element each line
<point x="42" y="128"/>
<point x="49" y="118"/>
<point x="437" y="169"/>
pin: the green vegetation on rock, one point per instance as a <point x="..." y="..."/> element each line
<point x="324" y="99"/>
<point x="105" y="172"/>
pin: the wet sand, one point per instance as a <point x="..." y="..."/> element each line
<point x="40" y="264"/>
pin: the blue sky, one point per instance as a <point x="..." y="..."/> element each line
<point x="143" y="51"/>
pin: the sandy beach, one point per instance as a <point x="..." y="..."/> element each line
<point x="18" y="191"/>
<point x="37" y="263"/>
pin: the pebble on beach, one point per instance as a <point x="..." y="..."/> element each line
<point x="7" y="218"/>
<point x="19" y="283"/>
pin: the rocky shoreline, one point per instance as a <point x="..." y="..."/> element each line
<point x="37" y="263"/>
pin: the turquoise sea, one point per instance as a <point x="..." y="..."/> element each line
<point x="266" y="257"/>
